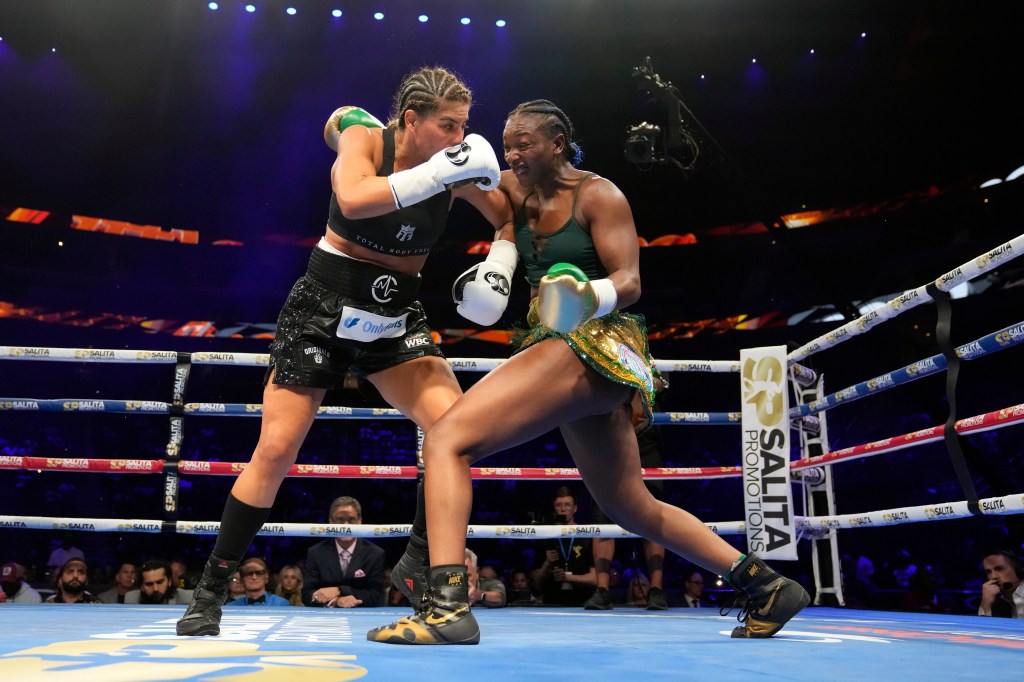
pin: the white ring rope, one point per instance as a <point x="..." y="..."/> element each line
<point x="912" y="298"/>
<point x="991" y="506"/>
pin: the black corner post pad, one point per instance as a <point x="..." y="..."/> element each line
<point x="943" y="324"/>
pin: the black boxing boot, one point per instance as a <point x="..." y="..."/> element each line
<point x="202" y="617"/>
<point x="446" y="619"/>
<point x="771" y="599"/>
<point x="409" y="576"/>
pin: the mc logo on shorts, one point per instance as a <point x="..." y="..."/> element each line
<point x="384" y="288"/>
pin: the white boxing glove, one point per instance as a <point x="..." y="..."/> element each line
<point x="482" y="291"/>
<point x="566" y="298"/>
<point x="472" y="160"/>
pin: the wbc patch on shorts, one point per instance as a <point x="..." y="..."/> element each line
<point x="361" y="325"/>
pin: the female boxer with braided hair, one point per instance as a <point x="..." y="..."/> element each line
<point x="576" y="368"/>
<point x="355" y="309"/>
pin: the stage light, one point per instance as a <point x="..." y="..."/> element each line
<point x="213" y="6"/>
<point x="423" y="18"/>
<point x="250" y="8"/>
<point x="291" y="11"/>
<point x="500" y="23"/>
<point x="378" y="15"/>
<point x="464" y="21"/>
<point x="336" y="13"/>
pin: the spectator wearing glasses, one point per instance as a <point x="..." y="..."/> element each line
<point x="255" y="577"/>
<point x="693" y="595"/>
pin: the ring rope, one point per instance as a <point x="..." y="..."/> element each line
<point x="986" y="345"/>
<point x="913" y="298"/>
<point x="262" y="359"/>
<point x="256" y="410"/>
<point x="997" y="419"/>
<point x="993" y="506"/>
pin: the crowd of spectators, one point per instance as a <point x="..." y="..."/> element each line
<point x="906" y="569"/>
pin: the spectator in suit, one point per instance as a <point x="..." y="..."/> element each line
<point x="124" y="582"/>
<point x="157" y="586"/>
<point x="693" y="594"/>
<point x="15" y="589"/>
<point x="255" y="577"/>
<point x="344" y="572"/>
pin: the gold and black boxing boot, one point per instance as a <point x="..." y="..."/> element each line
<point x="446" y="619"/>
<point x="202" y="617"/>
<point x="771" y="599"/>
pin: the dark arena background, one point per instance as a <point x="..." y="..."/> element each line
<point x="791" y="166"/>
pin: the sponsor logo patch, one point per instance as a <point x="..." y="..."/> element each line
<point x="360" y="325"/>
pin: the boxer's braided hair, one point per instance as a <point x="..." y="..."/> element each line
<point x="423" y="91"/>
<point x="556" y="122"/>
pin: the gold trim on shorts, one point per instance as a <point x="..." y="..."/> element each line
<point x="614" y="345"/>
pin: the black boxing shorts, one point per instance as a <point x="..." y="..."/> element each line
<point x="346" y="315"/>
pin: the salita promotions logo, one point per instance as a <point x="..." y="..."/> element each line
<point x="768" y="498"/>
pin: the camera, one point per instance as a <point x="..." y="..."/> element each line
<point x="648" y="144"/>
<point x="643" y="144"/>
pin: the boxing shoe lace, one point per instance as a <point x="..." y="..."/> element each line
<point x="737" y="600"/>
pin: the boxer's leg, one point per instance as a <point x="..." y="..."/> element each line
<point x="422" y="389"/>
<point x="532" y="392"/>
<point x="607" y="456"/>
<point x="288" y="413"/>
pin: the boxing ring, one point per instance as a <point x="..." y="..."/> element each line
<point x="823" y="642"/>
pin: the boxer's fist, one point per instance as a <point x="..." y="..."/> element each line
<point x="482" y="291"/>
<point x="342" y="118"/>
<point x="472" y="160"/>
<point x="566" y="298"/>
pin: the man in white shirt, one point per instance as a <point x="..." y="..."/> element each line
<point x="1002" y="593"/>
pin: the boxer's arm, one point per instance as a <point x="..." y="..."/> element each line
<point x="607" y="212"/>
<point x="360" y="193"/>
<point x="482" y="292"/>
